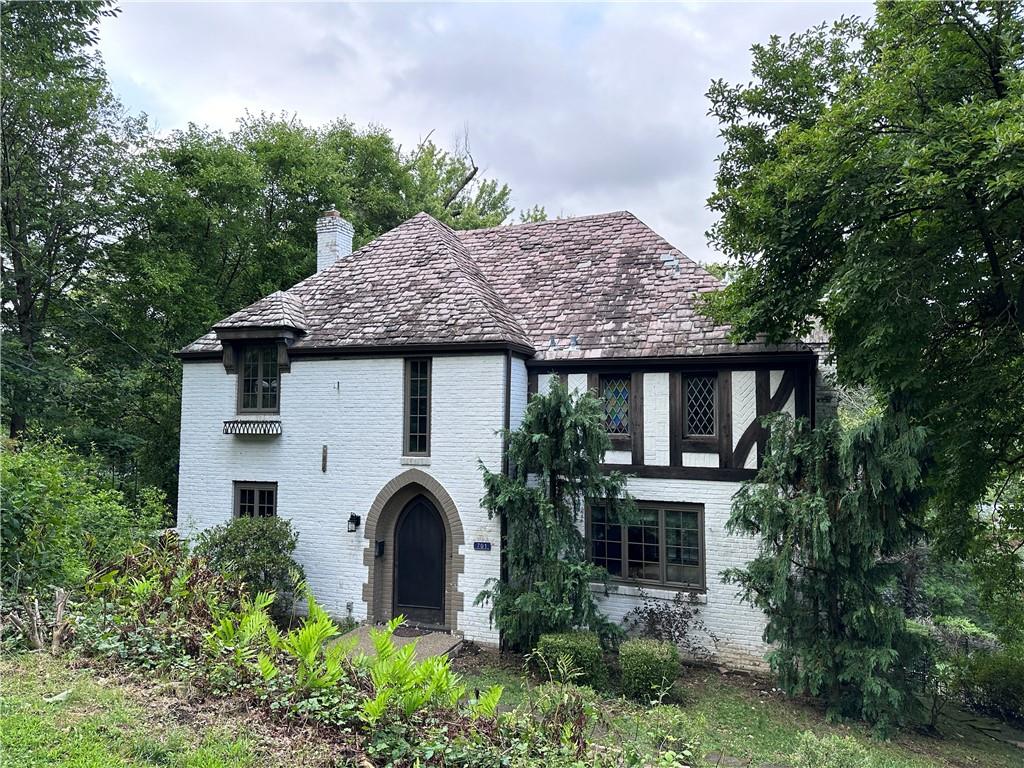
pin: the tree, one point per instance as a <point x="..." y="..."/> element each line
<point x="833" y="511"/>
<point x="554" y="460"/>
<point x="65" y="142"/>
<point x="872" y="182"/>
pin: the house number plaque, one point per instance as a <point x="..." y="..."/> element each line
<point x="482" y="546"/>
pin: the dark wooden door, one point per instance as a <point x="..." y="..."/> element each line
<point x="419" y="563"/>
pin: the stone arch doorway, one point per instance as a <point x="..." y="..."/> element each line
<point x="419" y="563"/>
<point x="412" y="489"/>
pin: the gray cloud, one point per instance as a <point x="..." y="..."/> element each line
<point x="579" y="108"/>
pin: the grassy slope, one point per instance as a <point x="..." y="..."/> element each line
<point x="739" y="716"/>
<point x="97" y="723"/>
<point x="116" y="723"/>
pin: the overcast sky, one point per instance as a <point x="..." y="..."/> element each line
<point x="580" y="108"/>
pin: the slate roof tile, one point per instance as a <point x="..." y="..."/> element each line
<point x="603" y="287"/>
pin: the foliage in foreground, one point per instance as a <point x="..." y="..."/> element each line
<point x="833" y="511"/>
<point x="259" y="551"/>
<point x="555" y="459"/>
<point x="162" y="608"/>
<point x="60" y="518"/>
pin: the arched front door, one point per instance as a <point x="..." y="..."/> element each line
<point x="419" y="563"/>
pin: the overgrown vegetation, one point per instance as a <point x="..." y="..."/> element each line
<point x="554" y="461"/>
<point x="61" y="516"/>
<point x="571" y="657"/>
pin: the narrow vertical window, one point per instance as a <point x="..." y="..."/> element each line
<point x="259" y="380"/>
<point x="255" y="499"/>
<point x="615" y="393"/>
<point x="417" y="407"/>
<point x="699" y="419"/>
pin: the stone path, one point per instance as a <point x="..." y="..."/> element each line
<point x="427" y="643"/>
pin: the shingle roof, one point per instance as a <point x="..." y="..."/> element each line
<point x="609" y="282"/>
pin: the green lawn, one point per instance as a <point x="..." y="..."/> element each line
<point x="740" y="716"/>
<point x="54" y="715"/>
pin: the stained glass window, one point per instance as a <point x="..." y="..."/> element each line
<point x="255" y="499"/>
<point x="417" y="393"/>
<point x="662" y="544"/>
<point x="260" y="379"/>
<point x="700" y="406"/>
<point x="615" y="392"/>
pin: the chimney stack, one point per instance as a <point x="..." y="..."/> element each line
<point x="333" y="239"/>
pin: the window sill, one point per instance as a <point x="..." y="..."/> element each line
<point x="658" y="592"/>
<point x="415" y="461"/>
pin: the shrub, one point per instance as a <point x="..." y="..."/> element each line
<point x="829" y="752"/>
<point x="648" y="667"/>
<point x="572" y="656"/>
<point x="54" y="501"/>
<point x="259" y="552"/>
<point x="995" y="683"/>
<point x="675" y="621"/>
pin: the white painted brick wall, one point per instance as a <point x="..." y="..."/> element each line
<point x="656" y="419"/>
<point x="353" y="406"/>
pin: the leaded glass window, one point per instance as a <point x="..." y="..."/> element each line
<point x="417" y="407"/>
<point x="615" y="393"/>
<point x="700" y="406"/>
<point x="260" y="379"/>
<point x="660" y="543"/>
<point x="255" y="499"/>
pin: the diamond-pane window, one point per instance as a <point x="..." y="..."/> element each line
<point x="615" y="392"/>
<point x="700" y="406"/>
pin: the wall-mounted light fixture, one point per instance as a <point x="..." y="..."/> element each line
<point x="353" y="523"/>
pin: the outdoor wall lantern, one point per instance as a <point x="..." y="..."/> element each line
<point x="353" y="523"/>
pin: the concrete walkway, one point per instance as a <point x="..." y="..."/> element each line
<point x="427" y="643"/>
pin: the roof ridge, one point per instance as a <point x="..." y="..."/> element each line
<point x="565" y="220"/>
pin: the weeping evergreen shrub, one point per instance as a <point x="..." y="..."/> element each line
<point x="554" y="469"/>
<point x="834" y="511"/>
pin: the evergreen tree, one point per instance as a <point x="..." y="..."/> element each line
<point x="554" y="462"/>
<point x="833" y="511"/>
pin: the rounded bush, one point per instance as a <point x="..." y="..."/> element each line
<point x="580" y="650"/>
<point x="995" y="683"/>
<point x="648" y="667"/>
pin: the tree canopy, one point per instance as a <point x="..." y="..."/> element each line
<point x="872" y="183"/>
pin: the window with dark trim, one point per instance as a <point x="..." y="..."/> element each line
<point x="661" y="544"/>
<point x="259" y="379"/>
<point x="615" y="391"/>
<point x="255" y="499"/>
<point x="699" y="406"/>
<point x="417" y="407"/>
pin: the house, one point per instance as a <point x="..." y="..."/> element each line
<point x="360" y="402"/>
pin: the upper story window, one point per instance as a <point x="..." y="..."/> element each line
<point x="255" y="499"/>
<point x="662" y="544"/>
<point x="417" y="407"/>
<point x="615" y="391"/>
<point x="259" y="380"/>
<point x="700" y="405"/>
